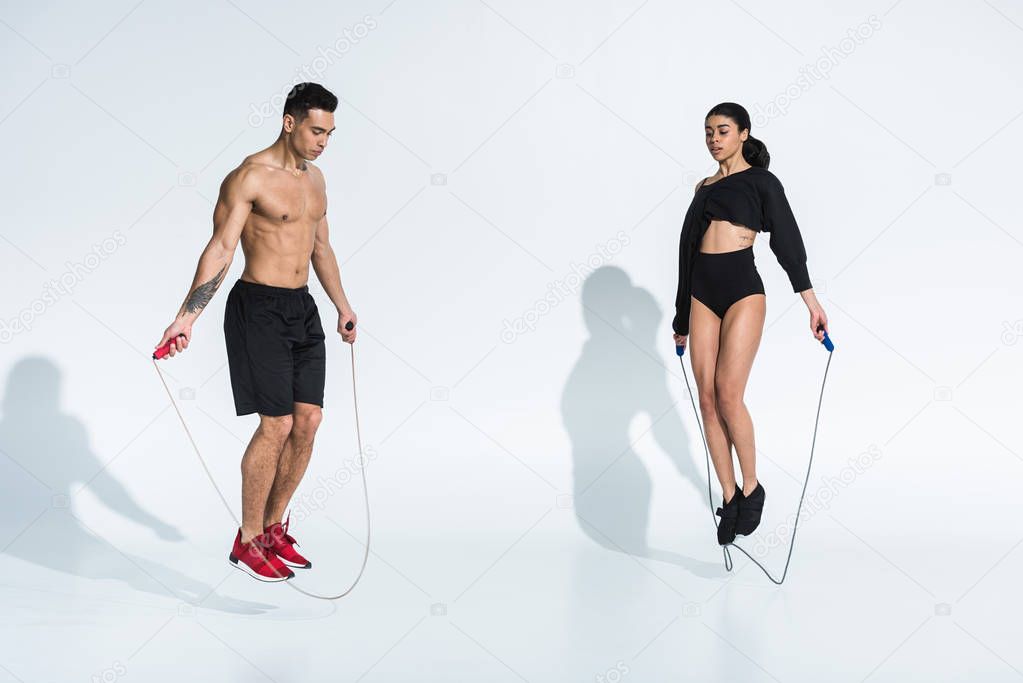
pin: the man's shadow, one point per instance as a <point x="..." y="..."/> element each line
<point x="618" y="376"/>
<point x="44" y="454"/>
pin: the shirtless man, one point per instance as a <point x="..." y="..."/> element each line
<point x="276" y="203"/>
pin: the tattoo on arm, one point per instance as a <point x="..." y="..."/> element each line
<point x="202" y="294"/>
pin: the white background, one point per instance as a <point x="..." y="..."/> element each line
<point x="539" y="502"/>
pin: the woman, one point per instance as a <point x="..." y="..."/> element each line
<point x="721" y="297"/>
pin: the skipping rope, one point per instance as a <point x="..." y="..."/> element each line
<point x="728" y="557"/>
<point x="163" y="350"/>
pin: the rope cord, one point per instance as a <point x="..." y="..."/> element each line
<point x="710" y="499"/>
<point x="365" y="489"/>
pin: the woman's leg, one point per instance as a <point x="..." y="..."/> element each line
<point x="704" y="333"/>
<point x="741" y="330"/>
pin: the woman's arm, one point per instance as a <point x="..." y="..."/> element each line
<point x="785" y="239"/>
<point x="787" y="244"/>
<point x="683" y="304"/>
<point x="680" y="324"/>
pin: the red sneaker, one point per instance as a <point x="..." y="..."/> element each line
<point x="283" y="545"/>
<point x="258" y="560"/>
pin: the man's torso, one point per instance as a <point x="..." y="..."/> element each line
<point x="279" y="234"/>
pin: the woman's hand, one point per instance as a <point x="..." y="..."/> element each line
<point x="680" y="339"/>
<point x="817" y="317"/>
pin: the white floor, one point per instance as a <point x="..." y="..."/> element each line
<point x="517" y="377"/>
<point x="544" y="604"/>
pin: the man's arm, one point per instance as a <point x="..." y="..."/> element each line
<point x="325" y="265"/>
<point x="237" y="194"/>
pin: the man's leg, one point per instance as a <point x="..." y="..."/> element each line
<point x="294" y="460"/>
<point x="259" y="466"/>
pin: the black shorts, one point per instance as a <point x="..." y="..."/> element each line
<point x="721" y="279"/>
<point x="275" y="348"/>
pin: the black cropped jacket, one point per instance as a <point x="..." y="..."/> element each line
<point x="753" y="198"/>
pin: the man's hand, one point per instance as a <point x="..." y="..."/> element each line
<point x="343" y="318"/>
<point x="180" y="344"/>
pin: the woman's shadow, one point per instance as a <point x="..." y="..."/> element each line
<point x="618" y="376"/>
<point x="44" y="453"/>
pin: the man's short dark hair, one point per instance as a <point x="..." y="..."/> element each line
<point x="306" y="96"/>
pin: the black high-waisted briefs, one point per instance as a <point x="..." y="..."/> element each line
<point x="719" y="280"/>
<point x="275" y="348"/>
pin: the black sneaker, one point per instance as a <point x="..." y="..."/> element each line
<point x="750" y="509"/>
<point x="729" y="514"/>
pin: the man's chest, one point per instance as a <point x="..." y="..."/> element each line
<point x="291" y="201"/>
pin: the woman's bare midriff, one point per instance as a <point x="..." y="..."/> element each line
<point x="723" y="236"/>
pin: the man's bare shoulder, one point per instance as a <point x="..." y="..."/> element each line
<point x="256" y="166"/>
<point x="250" y="174"/>
<point x="316" y="174"/>
<point x="260" y="166"/>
